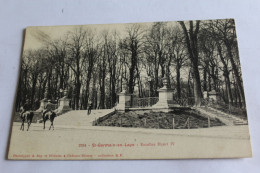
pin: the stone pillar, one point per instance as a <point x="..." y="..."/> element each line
<point x="165" y="103"/>
<point x="124" y="101"/>
<point x="64" y="103"/>
<point x="43" y="102"/>
<point x="205" y="94"/>
<point x="213" y="95"/>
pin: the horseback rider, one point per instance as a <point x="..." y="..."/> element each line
<point x="48" y="107"/>
<point x="26" y="114"/>
<point x="26" y="106"/>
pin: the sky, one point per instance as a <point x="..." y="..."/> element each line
<point x="35" y="34"/>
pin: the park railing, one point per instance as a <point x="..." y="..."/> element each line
<point x="188" y="101"/>
<point x="150" y="101"/>
<point x="144" y="102"/>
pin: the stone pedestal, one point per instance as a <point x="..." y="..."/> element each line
<point x="124" y="101"/>
<point x="213" y="95"/>
<point x="43" y="102"/>
<point x="205" y="94"/>
<point x="64" y="104"/>
<point x="165" y="103"/>
<point x="42" y="105"/>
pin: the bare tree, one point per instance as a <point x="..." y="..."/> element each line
<point x="191" y="39"/>
<point x="76" y="44"/>
<point x="223" y="31"/>
<point x="155" y="49"/>
<point x="90" y="54"/>
<point x="177" y="54"/>
<point x="133" y="43"/>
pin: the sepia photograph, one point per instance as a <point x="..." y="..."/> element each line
<point x="159" y="90"/>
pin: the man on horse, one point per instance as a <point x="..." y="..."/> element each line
<point x="48" y="107"/>
<point x="48" y="114"/>
<point x="26" y="114"/>
<point x="26" y="107"/>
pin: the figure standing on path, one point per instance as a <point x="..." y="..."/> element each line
<point x="89" y="108"/>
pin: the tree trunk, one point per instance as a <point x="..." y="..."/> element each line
<point x="113" y="88"/>
<point x="168" y="72"/>
<point x="78" y="86"/>
<point x="229" y="93"/>
<point x="236" y="73"/>
<point x="90" y="69"/>
<point x="49" y="84"/>
<point x="102" y="85"/>
<point x="113" y="84"/>
<point x="209" y="80"/>
<point x="197" y="86"/>
<point x="226" y="75"/>
<point x="132" y="69"/>
<point x="213" y="77"/>
<point x="19" y="91"/>
<point x="178" y="86"/>
<point x="191" y="38"/>
<point x="156" y="83"/>
<point x="34" y="82"/>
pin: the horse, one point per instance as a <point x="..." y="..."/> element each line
<point x="26" y="116"/>
<point x="49" y="115"/>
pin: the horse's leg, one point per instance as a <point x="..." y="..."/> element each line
<point x="44" y="124"/>
<point x="50" y="125"/>
<point x="29" y="123"/>
<point x="21" y="126"/>
<point x="30" y="120"/>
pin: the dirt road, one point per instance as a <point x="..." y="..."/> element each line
<point x="69" y="143"/>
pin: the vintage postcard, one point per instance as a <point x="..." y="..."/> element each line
<point x="162" y="90"/>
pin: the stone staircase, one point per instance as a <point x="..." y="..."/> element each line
<point x="227" y="119"/>
<point x="80" y="118"/>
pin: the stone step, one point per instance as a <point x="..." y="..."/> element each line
<point x="229" y="119"/>
<point x="240" y="123"/>
<point x="81" y="117"/>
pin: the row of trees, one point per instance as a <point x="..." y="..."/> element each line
<point x="194" y="56"/>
